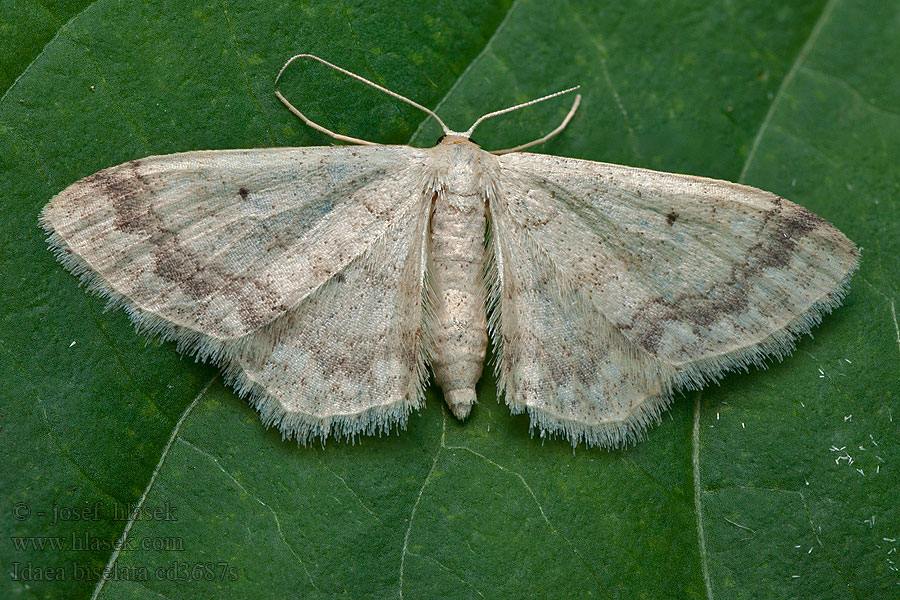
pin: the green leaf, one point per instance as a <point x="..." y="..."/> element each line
<point x="745" y="490"/>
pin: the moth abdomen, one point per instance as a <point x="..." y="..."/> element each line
<point x="459" y="327"/>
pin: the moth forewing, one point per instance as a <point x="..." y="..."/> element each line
<point x="670" y="281"/>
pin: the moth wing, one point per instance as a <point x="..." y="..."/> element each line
<point x="690" y="276"/>
<point x="207" y="247"/>
<point x="557" y="356"/>
<point x="299" y="270"/>
<point x="350" y="358"/>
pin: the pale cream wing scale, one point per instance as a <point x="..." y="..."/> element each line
<point x="617" y="286"/>
<point x="350" y="358"/>
<point x="268" y="261"/>
<point x="556" y="356"/>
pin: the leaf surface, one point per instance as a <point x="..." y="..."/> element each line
<point x="745" y="489"/>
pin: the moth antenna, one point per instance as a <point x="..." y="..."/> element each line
<point x="543" y="139"/>
<point x="339" y="136"/>
<point x="483" y="118"/>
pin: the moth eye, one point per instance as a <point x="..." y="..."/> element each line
<point x="440" y="139"/>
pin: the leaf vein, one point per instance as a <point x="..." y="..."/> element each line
<point x="468" y="68"/>
<point x="349" y="489"/>
<point x="601" y="47"/>
<point x="243" y="64"/>
<point x="51" y="433"/>
<point x="853" y="91"/>
<point x="540" y="507"/>
<point x="698" y="501"/>
<point x="446" y="568"/>
<point x="140" y="503"/>
<point x="260" y="501"/>
<point x="44" y="49"/>
<point x="412" y="514"/>
<point x="896" y="327"/>
<point x="788" y="79"/>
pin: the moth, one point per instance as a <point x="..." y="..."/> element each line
<point x="326" y="281"/>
